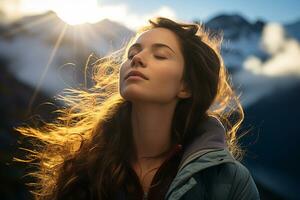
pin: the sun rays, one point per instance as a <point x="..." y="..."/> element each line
<point x="51" y="57"/>
<point x="70" y="24"/>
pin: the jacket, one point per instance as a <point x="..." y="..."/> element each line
<point x="207" y="170"/>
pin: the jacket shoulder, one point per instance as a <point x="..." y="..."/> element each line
<point x="230" y="180"/>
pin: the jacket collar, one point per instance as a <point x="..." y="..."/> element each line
<point x="210" y="135"/>
<point x="208" y="149"/>
<point x="184" y="180"/>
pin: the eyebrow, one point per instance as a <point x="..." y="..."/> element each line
<point x="155" y="45"/>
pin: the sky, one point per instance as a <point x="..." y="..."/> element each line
<point x="280" y="11"/>
<point x="134" y="13"/>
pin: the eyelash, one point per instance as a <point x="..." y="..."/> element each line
<point x="158" y="57"/>
<point x="130" y="57"/>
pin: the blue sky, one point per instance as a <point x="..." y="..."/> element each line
<point x="134" y="14"/>
<point x="280" y="11"/>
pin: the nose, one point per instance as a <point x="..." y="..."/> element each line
<point x="137" y="60"/>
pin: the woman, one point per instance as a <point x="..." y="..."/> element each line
<point x="157" y="125"/>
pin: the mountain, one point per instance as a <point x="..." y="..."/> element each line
<point x="273" y="153"/>
<point x="241" y="38"/>
<point x="293" y="29"/>
<point x="234" y="26"/>
<point x="30" y="42"/>
<point x="14" y="105"/>
<point x="40" y="33"/>
<point x="49" y="26"/>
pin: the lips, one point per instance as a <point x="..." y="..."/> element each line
<point x="136" y="73"/>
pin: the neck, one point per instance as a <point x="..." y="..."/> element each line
<point x="151" y="126"/>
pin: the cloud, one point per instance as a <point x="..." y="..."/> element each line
<point x="121" y="14"/>
<point x="9" y="10"/>
<point x="273" y="37"/>
<point x="87" y="10"/>
<point x="284" y="54"/>
<point x="280" y="71"/>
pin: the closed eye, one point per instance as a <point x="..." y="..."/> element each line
<point x="160" y="57"/>
<point x="130" y="57"/>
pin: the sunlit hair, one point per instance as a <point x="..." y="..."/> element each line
<point x="84" y="150"/>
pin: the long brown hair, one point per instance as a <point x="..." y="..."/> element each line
<point x="82" y="153"/>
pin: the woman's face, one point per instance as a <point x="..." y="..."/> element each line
<point x="155" y="53"/>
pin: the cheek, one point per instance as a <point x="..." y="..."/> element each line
<point x="122" y="74"/>
<point x="122" y="70"/>
<point x="169" y="76"/>
<point x="166" y="84"/>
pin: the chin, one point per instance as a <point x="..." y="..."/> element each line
<point x="132" y="96"/>
<point x="136" y="95"/>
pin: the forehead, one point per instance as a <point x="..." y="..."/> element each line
<point x="159" y="35"/>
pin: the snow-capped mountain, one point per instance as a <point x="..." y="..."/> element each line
<point x="30" y="45"/>
<point x="262" y="57"/>
<point x="106" y="34"/>
<point x="234" y="26"/>
<point x="241" y="38"/>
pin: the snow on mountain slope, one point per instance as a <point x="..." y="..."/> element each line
<point x="263" y="57"/>
<point x="281" y="70"/>
<point x="30" y="42"/>
<point x="241" y="38"/>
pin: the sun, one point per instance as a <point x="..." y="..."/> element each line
<point x="78" y="11"/>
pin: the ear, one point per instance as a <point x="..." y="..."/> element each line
<point x="184" y="92"/>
